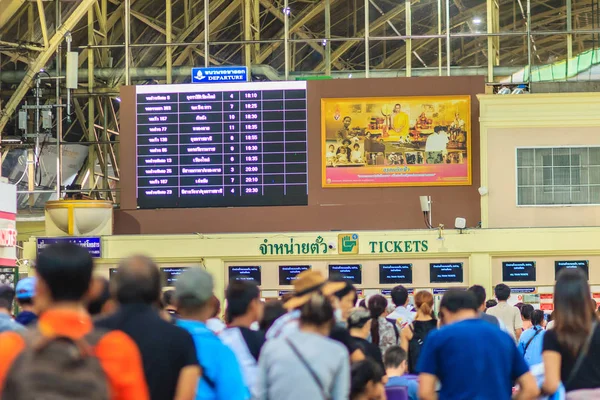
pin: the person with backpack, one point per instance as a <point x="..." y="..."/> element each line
<point x="64" y="357"/>
<point x="571" y="349"/>
<point x="244" y="308"/>
<point x="530" y="342"/>
<point x="359" y="325"/>
<point x="383" y="333"/>
<point x="401" y="316"/>
<point x="414" y="334"/>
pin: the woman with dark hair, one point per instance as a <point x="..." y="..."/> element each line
<point x="383" y="333"/>
<point x="571" y="349"/>
<point x="367" y="381"/>
<point x="343" y="301"/>
<point x="359" y="325"/>
<point x="305" y="364"/>
<point x="414" y="334"/>
<point x="530" y="342"/>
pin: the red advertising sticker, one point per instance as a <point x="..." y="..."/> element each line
<point x="596" y="295"/>
<point x="546" y="296"/>
<point x="547" y="307"/>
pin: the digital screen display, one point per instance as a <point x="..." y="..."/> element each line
<point x="515" y="271"/>
<point x="446" y="272"/>
<point x="583" y="265"/>
<point x="395" y="273"/>
<point x="221" y="145"/>
<point x="245" y="274"/>
<point x="349" y="272"/>
<point x="170" y="275"/>
<point x="288" y="273"/>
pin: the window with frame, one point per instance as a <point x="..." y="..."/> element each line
<point x="558" y="176"/>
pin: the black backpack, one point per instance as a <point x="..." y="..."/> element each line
<point x="420" y="332"/>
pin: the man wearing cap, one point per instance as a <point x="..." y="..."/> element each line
<point x="7" y="296"/>
<point x="25" y="294"/>
<point x="221" y="373"/>
<point x="305" y="285"/>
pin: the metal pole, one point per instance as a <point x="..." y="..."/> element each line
<point x="529" y="39"/>
<point x="328" y="37"/>
<point x="58" y="108"/>
<point x="408" y="42"/>
<point x="439" y="13"/>
<point x="569" y="34"/>
<point x="367" y="44"/>
<point x="206" y="33"/>
<point x="169" y="39"/>
<point x="127" y="41"/>
<point x="448" y="47"/>
<point x="286" y="38"/>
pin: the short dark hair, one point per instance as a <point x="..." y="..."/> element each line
<point x="95" y="306"/>
<point x="7" y="296"/>
<point x="362" y="373"/>
<point x="527" y="311"/>
<point x="67" y="271"/>
<point x="457" y="300"/>
<point x="25" y="301"/>
<point x="394" y="356"/>
<point x="137" y="281"/>
<point x="502" y="292"/>
<point x="399" y="295"/>
<point x="347" y="117"/>
<point x="537" y="316"/>
<point x="168" y="298"/>
<point x="479" y="292"/>
<point x="491" y="303"/>
<point x="348" y="288"/>
<point x="239" y="295"/>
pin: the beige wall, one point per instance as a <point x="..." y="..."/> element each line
<point x="504" y="212"/>
<point x="508" y="122"/>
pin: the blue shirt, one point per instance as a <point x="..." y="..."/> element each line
<point x="411" y="385"/>
<point x="218" y="363"/>
<point x="9" y="324"/>
<point x="533" y="355"/>
<point x="473" y="360"/>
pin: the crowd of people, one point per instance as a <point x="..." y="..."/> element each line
<point x="79" y="336"/>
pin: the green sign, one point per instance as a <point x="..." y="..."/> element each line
<point x="399" y="246"/>
<point x="291" y="248"/>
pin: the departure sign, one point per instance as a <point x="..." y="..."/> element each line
<point x="221" y="145"/>
<point x="515" y="271"/>
<point x="446" y="273"/>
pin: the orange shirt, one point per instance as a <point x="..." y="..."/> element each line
<point x="117" y="353"/>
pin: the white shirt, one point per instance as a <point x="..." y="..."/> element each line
<point x="402" y="316"/>
<point x="215" y="325"/>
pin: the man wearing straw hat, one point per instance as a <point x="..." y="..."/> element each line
<point x="307" y="283"/>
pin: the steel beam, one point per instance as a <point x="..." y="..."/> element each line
<point x="42" y="58"/>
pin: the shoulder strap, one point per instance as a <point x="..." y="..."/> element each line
<point x="537" y="331"/>
<point x="309" y="369"/>
<point x="582" y="354"/>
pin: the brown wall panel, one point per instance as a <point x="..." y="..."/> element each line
<point x="328" y="209"/>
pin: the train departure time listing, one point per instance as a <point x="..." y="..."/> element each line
<point x="223" y="145"/>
